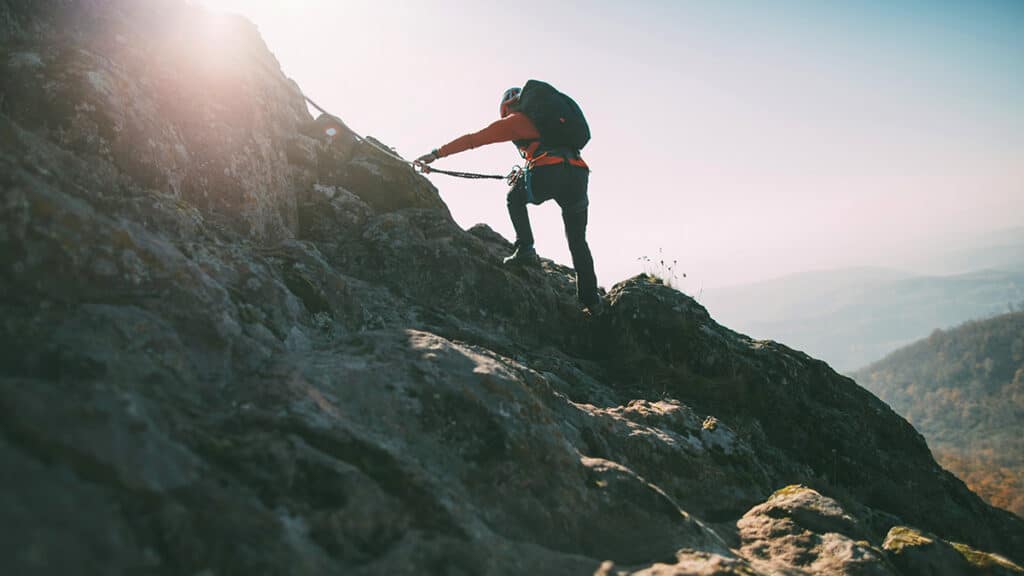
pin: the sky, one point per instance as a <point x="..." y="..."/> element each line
<point x="741" y="140"/>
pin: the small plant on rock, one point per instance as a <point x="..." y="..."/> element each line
<point x="661" y="270"/>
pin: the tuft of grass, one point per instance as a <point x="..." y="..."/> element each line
<point x="664" y="271"/>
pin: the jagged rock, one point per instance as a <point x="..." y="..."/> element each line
<point x="499" y="450"/>
<point x="687" y="563"/>
<point x="332" y="215"/>
<point x="987" y="563"/>
<point x="230" y="344"/>
<point x="799" y="531"/>
<point x="181" y="101"/>
<point x="385" y="182"/>
<point x="917" y="553"/>
<point x="782" y="400"/>
<point x="711" y="472"/>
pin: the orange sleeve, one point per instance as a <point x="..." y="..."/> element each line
<point x="515" y="126"/>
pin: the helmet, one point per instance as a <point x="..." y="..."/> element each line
<point x="507" y="99"/>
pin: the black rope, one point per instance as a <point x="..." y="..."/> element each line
<point x="314" y="104"/>
<point x="423" y="169"/>
<point x="469" y="175"/>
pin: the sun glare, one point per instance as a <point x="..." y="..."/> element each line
<point x="250" y="7"/>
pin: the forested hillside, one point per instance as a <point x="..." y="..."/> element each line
<point x="964" y="390"/>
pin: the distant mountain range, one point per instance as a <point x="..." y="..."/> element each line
<point x="851" y="317"/>
<point x="996" y="250"/>
<point x="963" y="389"/>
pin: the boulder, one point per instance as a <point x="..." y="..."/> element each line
<point x="918" y="553"/>
<point x="799" y="531"/>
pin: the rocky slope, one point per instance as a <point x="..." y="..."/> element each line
<point x="963" y="389"/>
<point x="231" y="347"/>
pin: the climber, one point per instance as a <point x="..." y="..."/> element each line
<point x="549" y="130"/>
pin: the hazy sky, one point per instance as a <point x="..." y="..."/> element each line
<point x="746" y="140"/>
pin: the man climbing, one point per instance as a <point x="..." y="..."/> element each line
<point x="549" y="130"/>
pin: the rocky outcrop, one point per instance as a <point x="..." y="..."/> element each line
<point x="233" y="346"/>
<point x="799" y="531"/>
<point x="920" y="554"/>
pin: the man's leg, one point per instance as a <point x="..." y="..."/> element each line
<point x="575" y="204"/>
<point x="582" y="260"/>
<point x="516" y="201"/>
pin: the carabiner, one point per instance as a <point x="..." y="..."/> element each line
<point x="514" y="175"/>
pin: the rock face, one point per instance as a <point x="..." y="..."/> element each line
<point x="923" y="554"/>
<point x="802" y="532"/>
<point x="232" y="347"/>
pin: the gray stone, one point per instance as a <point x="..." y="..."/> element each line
<point x="918" y="553"/>
<point x="799" y="531"/>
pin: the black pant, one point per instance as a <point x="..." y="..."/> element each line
<point x="567" y="185"/>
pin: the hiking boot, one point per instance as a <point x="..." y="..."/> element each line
<point x="523" y="255"/>
<point x="596" y="308"/>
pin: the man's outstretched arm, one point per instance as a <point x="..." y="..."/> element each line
<point x="515" y="126"/>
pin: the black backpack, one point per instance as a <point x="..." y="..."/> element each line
<point x="557" y="117"/>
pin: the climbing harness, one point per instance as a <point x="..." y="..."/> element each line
<point x="333" y="131"/>
<point x="514" y="175"/>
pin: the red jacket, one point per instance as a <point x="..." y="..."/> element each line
<point x="515" y="126"/>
